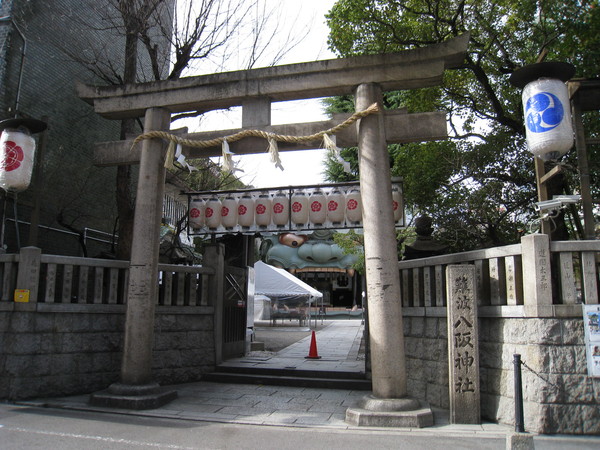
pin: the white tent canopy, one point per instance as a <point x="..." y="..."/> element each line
<point x="280" y="284"/>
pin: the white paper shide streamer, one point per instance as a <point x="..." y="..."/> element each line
<point x="331" y="144"/>
<point x="274" y="152"/>
<point x="547" y="118"/>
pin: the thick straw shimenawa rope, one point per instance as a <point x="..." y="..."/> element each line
<point x="256" y="133"/>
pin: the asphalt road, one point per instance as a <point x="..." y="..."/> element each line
<point x="41" y="428"/>
<point x="33" y="428"/>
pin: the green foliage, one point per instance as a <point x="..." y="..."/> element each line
<point x="352" y="244"/>
<point x="479" y="185"/>
<point x="208" y="177"/>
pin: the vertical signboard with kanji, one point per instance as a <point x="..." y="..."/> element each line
<point x="591" y="324"/>
<point x="463" y="348"/>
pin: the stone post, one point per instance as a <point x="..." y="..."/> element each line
<point x="136" y="389"/>
<point x="463" y="344"/>
<point x="28" y="275"/>
<point x="389" y="404"/>
<point x="537" y="289"/>
<point x="214" y="257"/>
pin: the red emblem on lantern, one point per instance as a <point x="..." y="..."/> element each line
<point x="208" y="212"/>
<point x="13" y="155"/>
<point x="242" y="210"/>
<point x="277" y="208"/>
<point x="352" y="204"/>
<point x="297" y="207"/>
<point x="224" y="211"/>
<point x="195" y="212"/>
<point x="395" y="205"/>
<point x="315" y="206"/>
<point x="260" y="209"/>
<point x="332" y="206"/>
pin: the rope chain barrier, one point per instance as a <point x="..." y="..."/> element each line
<point x="538" y="375"/>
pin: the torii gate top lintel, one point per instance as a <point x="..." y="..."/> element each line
<point x="408" y="69"/>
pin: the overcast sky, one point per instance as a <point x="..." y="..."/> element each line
<point x="299" y="167"/>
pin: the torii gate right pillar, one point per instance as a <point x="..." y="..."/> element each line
<point x="389" y="405"/>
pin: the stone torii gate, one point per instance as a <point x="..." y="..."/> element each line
<point x="365" y="77"/>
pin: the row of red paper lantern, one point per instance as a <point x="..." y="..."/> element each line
<point x="262" y="211"/>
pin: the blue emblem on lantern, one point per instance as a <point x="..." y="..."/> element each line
<point x="543" y="112"/>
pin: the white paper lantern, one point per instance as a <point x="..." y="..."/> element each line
<point x="353" y="206"/>
<point x="318" y="208"/>
<point x="299" y="206"/>
<point x="229" y="212"/>
<point x="212" y="213"/>
<point x="335" y="206"/>
<point x="246" y="211"/>
<point x="262" y="210"/>
<point x="397" y="204"/>
<point x="281" y="209"/>
<point x="547" y="118"/>
<point x="196" y="213"/>
<point x="16" y="160"/>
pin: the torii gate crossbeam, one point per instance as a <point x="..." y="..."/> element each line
<point x="254" y="90"/>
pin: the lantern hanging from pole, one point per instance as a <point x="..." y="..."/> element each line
<point x="318" y="208"/>
<point x="262" y="210"/>
<point x="546" y="107"/>
<point x="547" y="118"/>
<point x="17" y="155"/>
<point x="353" y="206"/>
<point x="246" y="211"/>
<point x="196" y="214"/>
<point x="335" y="207"/>
<point x="229" y="212"/>
<point x="212" y="213"/>
<point x="281" y="210"/>
<point x="397" y="204"/>
<point x="299" y="202"/>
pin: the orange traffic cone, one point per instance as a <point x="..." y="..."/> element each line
<point x="313" y="354"/>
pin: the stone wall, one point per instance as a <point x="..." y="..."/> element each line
<point x="558" y="398"/>
<point x="53" y="350"/>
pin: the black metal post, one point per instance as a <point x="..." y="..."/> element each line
<point x="519" y="419"/>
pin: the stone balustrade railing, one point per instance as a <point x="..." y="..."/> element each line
<point x="55" y="279"/>
<point x="536" y="278"/>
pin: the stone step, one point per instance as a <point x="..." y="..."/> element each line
<point x="295" y="381"/>
<point x="290" y="372"/>
<point x="256" y="346"/>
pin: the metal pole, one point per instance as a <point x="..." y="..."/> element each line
<point x="3" y="223"/>
<point x="38" y="177"/>
<point x="519" y="419"/>
<point x="22" y="64"/>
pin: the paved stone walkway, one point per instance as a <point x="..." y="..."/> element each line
<point x="337" y="345"/>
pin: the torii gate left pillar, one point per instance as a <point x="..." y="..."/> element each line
<point x="137" y="390"/>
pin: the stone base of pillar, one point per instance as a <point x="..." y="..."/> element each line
<point x="390" y="412"/>
<point x="519" y="441"/>
<point x="148" y="396"/>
